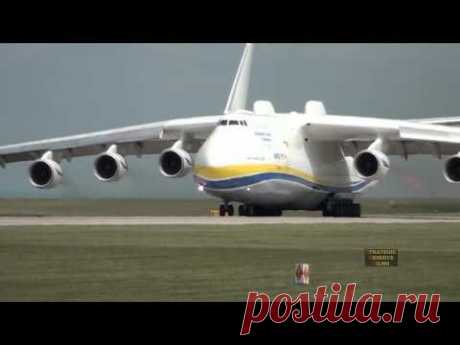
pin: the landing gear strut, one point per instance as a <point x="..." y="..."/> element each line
<point x="341" y="208"/>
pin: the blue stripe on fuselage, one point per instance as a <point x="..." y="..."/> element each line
<point x="263" y="177"/>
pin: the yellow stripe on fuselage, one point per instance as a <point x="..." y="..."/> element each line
<point x="234" y="171"/>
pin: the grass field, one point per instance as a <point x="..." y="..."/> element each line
<point x="175" y="263"/>
<point x="129" y="207"/>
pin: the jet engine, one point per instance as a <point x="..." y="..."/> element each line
<point x="452" y="169"/>
<point x="371" y="164"/>
<point x="45" y="174"/>
<point x="110" y="167"/>
<point x="175" y="162"/>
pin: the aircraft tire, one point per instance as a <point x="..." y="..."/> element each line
<point x="222" y="210"/>
<point x="342" y="208"/>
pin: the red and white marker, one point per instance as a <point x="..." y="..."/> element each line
<point x="302" y="274"/>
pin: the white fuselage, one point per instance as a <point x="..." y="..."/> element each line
<point x="266" y="160"/>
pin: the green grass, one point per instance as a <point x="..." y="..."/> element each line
<point x="174" y="263"/>
<point x="104" y="207"/>
<point x="130" y="207"/>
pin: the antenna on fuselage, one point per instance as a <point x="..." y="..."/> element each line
<point x="238" y="94"/>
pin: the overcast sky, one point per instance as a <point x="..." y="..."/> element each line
<point x="49" y="90"/>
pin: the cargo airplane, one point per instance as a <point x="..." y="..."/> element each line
<point x="265" y="161"/>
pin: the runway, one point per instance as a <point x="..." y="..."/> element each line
<point x="120" y="221"/>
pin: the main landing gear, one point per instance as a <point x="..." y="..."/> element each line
<point x="226" y="209"/>
<point x="341" y="208"/>
<point x="249" y="211"/>
<point x="257" y="211"/>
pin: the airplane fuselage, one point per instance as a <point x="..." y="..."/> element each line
<point x="266" y="160"/>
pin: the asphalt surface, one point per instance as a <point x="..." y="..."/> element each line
<point x="50" y="221"/>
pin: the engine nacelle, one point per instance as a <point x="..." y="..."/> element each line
<point x="175" y="162"/>
<point x="371" y="164"/>
<point x="110" y="167"/>
<point x="45" y="174"/>
<point x="452" y="169"/>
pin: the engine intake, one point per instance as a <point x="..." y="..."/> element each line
<point x="110" y="167"/>
<point x="175" y="163"/>
<point x="452" y="169"/>
<point x="371" y="164"/>
<point x="45" y="174"/>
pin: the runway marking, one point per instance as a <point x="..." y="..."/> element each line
<point x="56" y="221"/>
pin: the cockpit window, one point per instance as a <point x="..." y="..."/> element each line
<point x="233" y="123"/>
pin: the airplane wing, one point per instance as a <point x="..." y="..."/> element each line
<point x="136" y="140"/>
<point x="400" y="137"/>
<point x="445" y="121"/>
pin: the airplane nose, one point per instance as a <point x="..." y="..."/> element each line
<point x="216" y="152"/>
<point x="221" y="149"/>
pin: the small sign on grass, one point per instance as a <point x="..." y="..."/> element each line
<point x="382" y="257"/>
